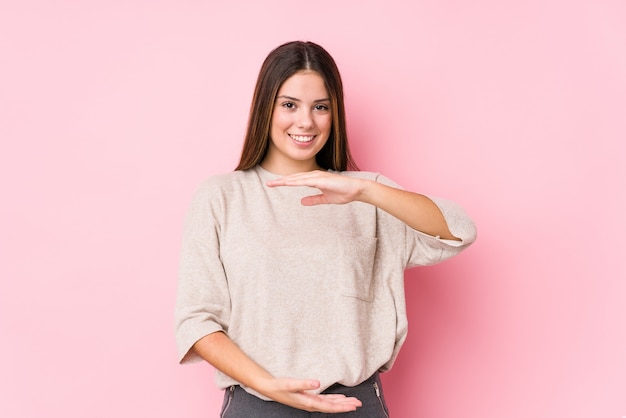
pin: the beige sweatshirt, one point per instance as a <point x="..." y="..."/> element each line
<point x="307" y="292"/>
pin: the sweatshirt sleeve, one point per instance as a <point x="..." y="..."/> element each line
<point x="423" y="249"/>
<point x="202" y="299"/>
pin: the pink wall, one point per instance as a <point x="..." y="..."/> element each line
<point x="112" y="112"/>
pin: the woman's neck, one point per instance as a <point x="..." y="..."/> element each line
<point x="285" y="169"/>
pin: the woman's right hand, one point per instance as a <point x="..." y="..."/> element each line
<point x="296" y="393"/>
<point x="223" y="354"/>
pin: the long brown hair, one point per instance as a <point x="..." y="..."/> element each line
<point x="280" y="64"/>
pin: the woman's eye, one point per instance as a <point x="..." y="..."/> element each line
<point x="321" y="107"/>
<point x="289" y="105"/>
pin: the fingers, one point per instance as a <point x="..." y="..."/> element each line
<point x="300" y="385"/>
<point x="296" y="393"/>
<point x="335" y="188"/>
<point x="332" y="403"/>
<point x="318" y="199"/>
<point x="327" y="403"/>
<point x="310" y="178"/>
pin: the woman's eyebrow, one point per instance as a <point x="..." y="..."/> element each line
<point x="298" y="100"/>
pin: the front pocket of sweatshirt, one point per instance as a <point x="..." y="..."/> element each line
<point x="356" y="256"/>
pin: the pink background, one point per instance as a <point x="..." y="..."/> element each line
<point x="112" y="112"/>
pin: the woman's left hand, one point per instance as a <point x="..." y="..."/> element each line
<point x="417" y="211"/>
<point x="334" y="188"/>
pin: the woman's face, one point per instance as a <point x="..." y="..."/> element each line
<point x="300" y="126"/>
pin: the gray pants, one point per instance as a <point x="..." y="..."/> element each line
<point x="240" y="404"/>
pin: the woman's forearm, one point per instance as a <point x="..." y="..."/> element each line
<point x="223" y="354"/>
<point x="416" y="210"/>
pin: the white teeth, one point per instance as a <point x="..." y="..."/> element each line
<point x="302" y="138"/>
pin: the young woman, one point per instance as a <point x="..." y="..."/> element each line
<point x="292" y="268"/>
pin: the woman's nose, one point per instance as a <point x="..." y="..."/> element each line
<point x="305" y="120"/>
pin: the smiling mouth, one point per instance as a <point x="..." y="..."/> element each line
<point x="303" y="139"/>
